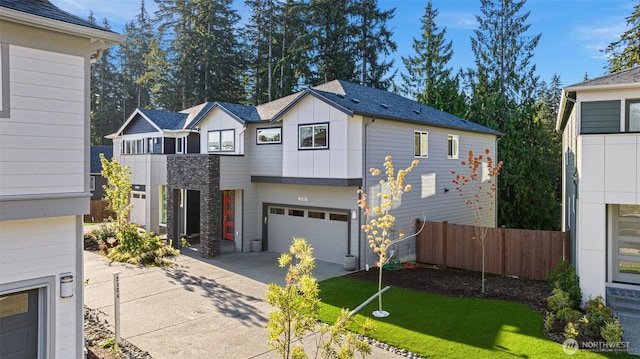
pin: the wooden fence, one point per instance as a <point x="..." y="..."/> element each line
<point x="518" y="252"/>
<point x="99" y="212"/>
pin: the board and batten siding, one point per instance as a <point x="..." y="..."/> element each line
<point x="600" y="116"/>
<point x="42" y="144"/>
<point x="219" y="120"/>
<point x="343" y="158"/>
<point x="38" y="248"/>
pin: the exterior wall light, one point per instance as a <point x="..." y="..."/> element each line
<point x="66" y="285"/>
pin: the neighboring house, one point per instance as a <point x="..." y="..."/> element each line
<point x="292" y="168"/>
<point x="600" y="124"/>
<point x="45" y="57"/>
<point x="96" y="181"/>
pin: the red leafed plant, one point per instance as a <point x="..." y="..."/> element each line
<point x="477" y="183"/>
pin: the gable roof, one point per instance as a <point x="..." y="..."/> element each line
<point x="165" y="120"/>
<point x="95" y="164"/>
<point x="367" y="101"/>
<point x="46" y="9"/>
<point x="629" y="78"/>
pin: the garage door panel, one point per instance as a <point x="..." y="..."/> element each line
<point x="327" y="236"/>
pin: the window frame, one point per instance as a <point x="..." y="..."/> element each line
<point x="453" y="152"/>
<point x="273" y="142"/>
<point x="313" y="140"/>
<point x="417" y="144"/>
<point x="627" y="122"/>
<point x="220" y="141"/>
<point x="181" y="143"/>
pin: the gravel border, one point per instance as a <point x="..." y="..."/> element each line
<point x="97" y="330"/>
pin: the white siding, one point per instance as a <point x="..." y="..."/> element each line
<point x="220" y="120"/>
<point x="343" y="158"/>
<point x="40" y="248"/>
<point x="149" y="170"/>
<point x="45" y="133"/>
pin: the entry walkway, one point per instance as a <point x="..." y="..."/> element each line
<point x="200" y="308"/>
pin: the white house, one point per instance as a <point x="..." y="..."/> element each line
<point x="600" y="124"/>
<point x="292" y="168"/>
<point x="45" y="57"/>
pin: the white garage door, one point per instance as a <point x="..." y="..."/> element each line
<point x="138" y="208"/>
<point x="326" y="231"/>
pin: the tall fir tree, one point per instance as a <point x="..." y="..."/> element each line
<point x="625" y="53"/>
<point x="374" y="43"/>
<point x="503" y="89"/>
<point x="428" y="79"/>
<point x="105" y="102"/>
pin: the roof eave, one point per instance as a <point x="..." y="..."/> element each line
<point x="100" y="39"/>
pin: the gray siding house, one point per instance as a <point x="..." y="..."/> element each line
<point x="45" y="62"/>
<point x="291" y="168"/>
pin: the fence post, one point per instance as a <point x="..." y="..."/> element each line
<point x="503" y="235"/>
<point x="444" y="244"/>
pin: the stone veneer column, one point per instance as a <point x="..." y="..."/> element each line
<point x="196" y="172"/>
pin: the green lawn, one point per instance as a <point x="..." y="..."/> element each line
<point x="443" y="327"/>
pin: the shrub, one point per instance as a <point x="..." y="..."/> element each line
<point x="571" y="331"/>
<point x="102" y="237"/>
<point x="559" y="300"/>
<point x="140" y="248"/>
<point x="611" y="331"/>
<point x="564" y="277"/>
<point x="549" y="320"/>
<point x="597" y="314"/>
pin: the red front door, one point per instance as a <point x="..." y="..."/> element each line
<point x="228" y="215"/>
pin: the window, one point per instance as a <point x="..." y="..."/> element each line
<point x="633" y="116"/>
<point x="317" y="215"/>
<point x="221" y="140"/>
<point x="266" y="136"/>
<point x="420" y="144"/>
<point x="452" y="146"/>
<point x="276" y="210"/>
<point x="92" y="183"/>
<point x="296" y="213"/>
<point x="163" y="205"/>
<point x="338" y="217"/>
<point x="180" y="145"/>
<point x="313" y="136"/>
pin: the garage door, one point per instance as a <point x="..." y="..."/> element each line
<point x="326" y="231"/>
<point x="138" y="207"/>
<point x="19" y="325"/>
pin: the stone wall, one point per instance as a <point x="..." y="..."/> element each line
<point x="196" y="172"/>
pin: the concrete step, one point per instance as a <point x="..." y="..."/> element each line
<point x="227" y="246"/>
<point x="624" y="301"/>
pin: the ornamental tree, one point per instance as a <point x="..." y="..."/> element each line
<point x="478" y="187"/>
<point x="118" y="188"/>
<point x="379" y="221"/>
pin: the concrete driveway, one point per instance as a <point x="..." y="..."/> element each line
<point x="200" y="308"/>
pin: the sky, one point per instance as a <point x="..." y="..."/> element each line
<point x="573" y="31"/>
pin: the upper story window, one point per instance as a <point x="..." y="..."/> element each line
<point x="452" y="146"/>
<point x="181" y="144"/>
<point x="265" y="136"/>
<point x="313" y="136"/>
<point x="223" y="140"/>
<point x="420" y="144"/>
<point x="633" y="116"/>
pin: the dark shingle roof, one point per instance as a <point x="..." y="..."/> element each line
<point x="627" y="76"/>
<point x="46" y="9"/>
<point x="96" y="165"/>
<point x="166" y="120"/>
<point x="245" y="113"/>
<point x="369" y="101"/>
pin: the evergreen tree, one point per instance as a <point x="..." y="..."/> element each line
<point x="428" y="79"/>
<point x="373" y="38"/>
<point x="104" y="100"/>
<point x="503" y="89"/>
<point x="625" y="53"/>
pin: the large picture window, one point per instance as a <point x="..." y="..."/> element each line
<point x="267" y="136"/>
<point x="221" y="141"/>
<point x="420" y="144"/>
<point x="313" y="136"/>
